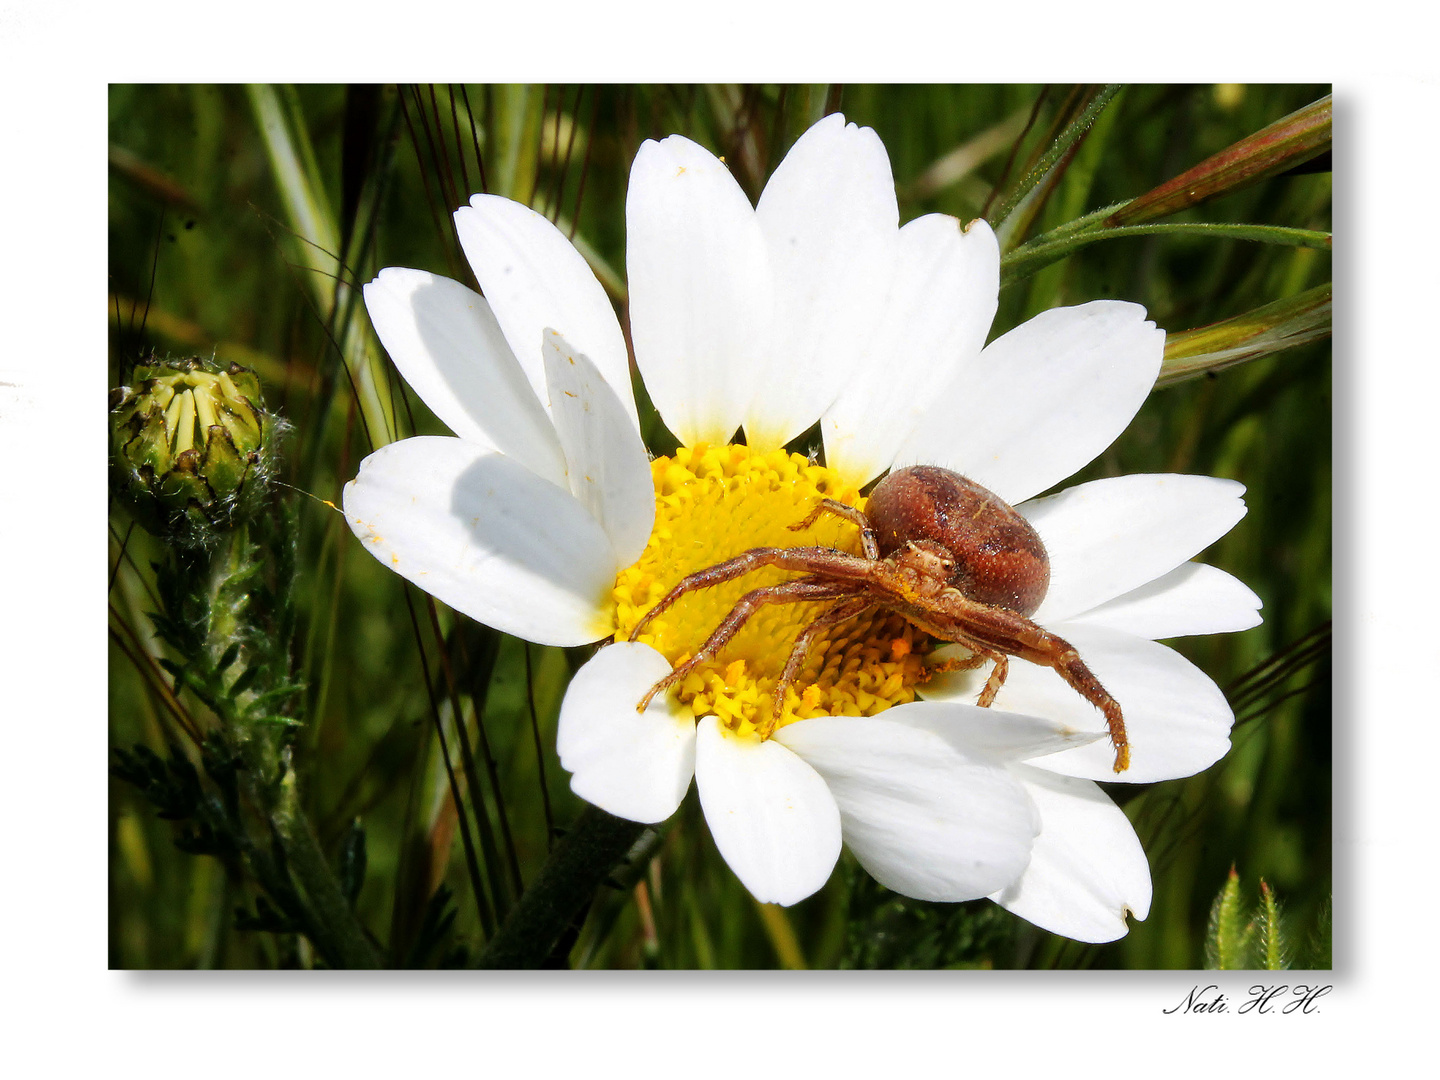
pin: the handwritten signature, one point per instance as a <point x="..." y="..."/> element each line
<point x="1261" y="999"/>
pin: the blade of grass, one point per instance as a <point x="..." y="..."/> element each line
<point x="1038" y="179"/>
<point x="1040" y="252"/>
<point x="518" y="116"/>
<point x="575" y="869"/>
<point x="782" y="936"/>
<point x="1288" y="142"/>
<point x="1272" y="328"/>
<point x="472" y="863"/>
<point x="312" y="221"/>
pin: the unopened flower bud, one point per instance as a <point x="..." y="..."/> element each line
<point x="192" y="447"/>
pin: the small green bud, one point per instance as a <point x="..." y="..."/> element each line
<point x="192" y="447"/>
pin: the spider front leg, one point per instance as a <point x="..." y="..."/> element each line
<point x="809" y="559"/>
<point x="1068" y="665"/>
<point x="979" y="627"/>
<point x="1058" y="654"/>
<point x="869" y="543"/>
<point x="790" y="592"/>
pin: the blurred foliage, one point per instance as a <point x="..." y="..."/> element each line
<point x="406" y="704"/>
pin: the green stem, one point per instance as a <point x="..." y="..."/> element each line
<point x="269" y="775"/>
<point x="1025" y="260"/>
<point x="1271" y="328"/>
<point x="1288" y="142"/>
<point x="1098" y="98"/>
<point x="342" y="938"/>
<point x="567" y="882"/>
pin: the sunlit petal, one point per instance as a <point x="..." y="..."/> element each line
<point x="1043" y="400"/>
<point x="771" y="815"/>
<point x="1110" y="536"/>
<point x="922" y="817"/>
<point x="1177" y="719"/>
<point x="1087" y="869"/>
<point x="446" y="343"/>
<point x="991" y="733"/>
<point x="935" y="318"/>
<point x="607" y="467"/>
<point x="831" y="227"/>
<point x="534" y="278"/>
<point x="700" y="289"/>
<point x="1191" y="599"/>
<point x="488" y="537"/>
<point x="633" y="765"/>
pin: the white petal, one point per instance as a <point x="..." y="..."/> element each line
<point x="771" y="815"/>
<point x="923" y="818"/>
<point x="608" y="468"/>
<point x="486" y="536"/>
<point x="940" y="306"/>
<point x="1191" y="599"/>
<point x="1043" y="400"/>
<point x="1177" y="720"/>
<point x="831" y="228"/>
<point x="1087" y="869"/>
<point x="534" y="278"/>
<point x="633" y="765"/>
<point x="991" y="733"/>
<point x="446" y="343"/>
<point x="700" y="289"/>
<point x="1108" y="537"/>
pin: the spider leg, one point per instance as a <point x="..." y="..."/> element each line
<point x="809" y="559"/>
<point x="846" y="609"/>
<point x="868" y="542"/>
<point x="789" y="592"/>
<point x="996" y="680"/>
<point x="979" y="627"/>
<point x="953" y="663"/>
<point x="1072" y="669"/>
<point x="1059" y="655"/>
<point x="978" y="655"/>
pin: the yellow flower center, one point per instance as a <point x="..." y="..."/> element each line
<point x="714" y="502"/>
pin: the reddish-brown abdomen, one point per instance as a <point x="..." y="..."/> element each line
<point x="999" y="559"/>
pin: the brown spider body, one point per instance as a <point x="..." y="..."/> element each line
<point x="938" y="549"/>
<point x="999" y="559"/>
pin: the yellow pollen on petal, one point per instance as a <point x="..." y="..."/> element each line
<point x="715" y="502"/>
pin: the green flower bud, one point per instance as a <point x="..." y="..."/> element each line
<point x="192" y="447"/>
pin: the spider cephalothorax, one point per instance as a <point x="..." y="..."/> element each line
<point x="936" y="548"/>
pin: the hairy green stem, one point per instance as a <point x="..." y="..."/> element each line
<point x="237" y="614"/>
<point x="1028" y="258"/>
<point x="1098" y="98"/>
<point x="567" y="882"/>
<point x="342" y="938"/>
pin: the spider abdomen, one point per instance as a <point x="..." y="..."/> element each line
<point x="999" y="558"/>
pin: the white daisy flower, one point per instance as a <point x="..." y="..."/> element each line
<point x="543" y="517"/>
